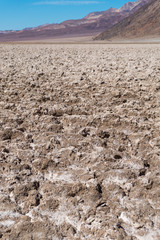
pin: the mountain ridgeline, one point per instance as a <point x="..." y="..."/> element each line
<point x="91" y="25"/>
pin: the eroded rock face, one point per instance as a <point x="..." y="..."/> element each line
<point x="79" y="130"/>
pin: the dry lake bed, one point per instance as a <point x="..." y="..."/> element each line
<point x="80" y="142"/>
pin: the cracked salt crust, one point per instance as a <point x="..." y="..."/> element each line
<point x="131" y="227"/>
<point x="27" y="97"/>
<point x="59" y="217"/>
<point x="117" y="180"/>
<point x="9" y="214"/>
<point x="61" y="176"/>
<point x="7" y="223"/>
<point x="152" y="235"/>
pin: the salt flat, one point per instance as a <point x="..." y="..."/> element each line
<point x="79" y="142"/>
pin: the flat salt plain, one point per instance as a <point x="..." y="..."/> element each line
<point x="79" y="141"/>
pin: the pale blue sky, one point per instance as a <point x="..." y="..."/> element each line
<point x="19" y="14"/>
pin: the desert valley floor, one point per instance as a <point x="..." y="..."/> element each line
<point x="79" y="142"/>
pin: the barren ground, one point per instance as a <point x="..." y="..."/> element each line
<point x="79" y="142"/>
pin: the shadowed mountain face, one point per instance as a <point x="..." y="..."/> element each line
<point x="145" y="22"/>
<point x="94" y="23"/>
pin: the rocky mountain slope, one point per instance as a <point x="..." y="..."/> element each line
<point x="145" y="22"/>
<point x="92" y="24"/>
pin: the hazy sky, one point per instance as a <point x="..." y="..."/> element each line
<point x="19" y="14"/>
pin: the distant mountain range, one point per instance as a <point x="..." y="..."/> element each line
<point x="144" y="23"/>
<point x="91" y="25"/>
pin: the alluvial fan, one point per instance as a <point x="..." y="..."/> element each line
<point x="79" y="142"/>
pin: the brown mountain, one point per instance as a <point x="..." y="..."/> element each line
<point x="91" y="25"/>
<point x="144" y="23"/>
